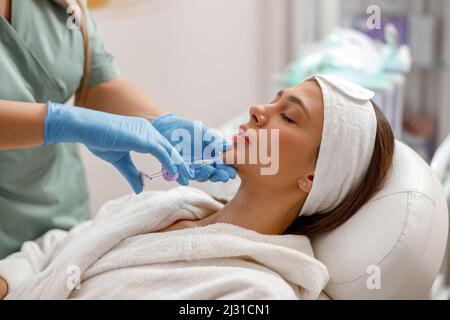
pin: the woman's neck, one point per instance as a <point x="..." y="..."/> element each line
<point x="258" y="209"/>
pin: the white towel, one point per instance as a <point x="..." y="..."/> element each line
<point x="119" y="257"/>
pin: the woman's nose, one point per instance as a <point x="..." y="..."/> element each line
<point x="257" y="115"/>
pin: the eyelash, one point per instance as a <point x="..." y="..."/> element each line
<point x="283" y="116"/>
<point x="287" y="118"/>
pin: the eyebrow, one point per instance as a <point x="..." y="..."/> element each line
<point x="296" y="100"/>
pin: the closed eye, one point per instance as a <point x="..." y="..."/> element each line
<point x="286" y="118"/>
<point x="295" y="100"/>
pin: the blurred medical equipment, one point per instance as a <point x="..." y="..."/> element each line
<point x="417" y="30"/>
<point x="419" y="133"/>
<point x="354" y="56"/>
<point x="393" y="247"/>
<point x="441" y="166"/>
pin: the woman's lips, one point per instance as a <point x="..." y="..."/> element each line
<point x="242" y="134"/>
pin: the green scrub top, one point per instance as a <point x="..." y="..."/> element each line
<point x="41" y="59"/>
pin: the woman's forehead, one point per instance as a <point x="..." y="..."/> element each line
<point x="310" y="92"/>
<point x="308" y="87"/>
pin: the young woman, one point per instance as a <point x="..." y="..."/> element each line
<point x="335" y="151"/>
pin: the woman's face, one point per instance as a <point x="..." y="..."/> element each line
<point x="297" y="114"/>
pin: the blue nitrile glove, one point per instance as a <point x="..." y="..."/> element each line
<point x="216" y="172"/>
<point x="112" y="137"/>
<point x="167" y="125"/>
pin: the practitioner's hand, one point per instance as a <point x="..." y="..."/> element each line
<point x="216" y="172"/>
<point x="112" y="137"/>
<point x="212" y="144"/>
<point x="3" y="288"/>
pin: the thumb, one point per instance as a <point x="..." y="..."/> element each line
<point x="128" y="170"/>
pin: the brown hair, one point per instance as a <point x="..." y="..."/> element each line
<point x="82" y="89"/>
<point x="379" y="167"/>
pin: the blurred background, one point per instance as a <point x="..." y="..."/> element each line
<point x="210" y="60"/>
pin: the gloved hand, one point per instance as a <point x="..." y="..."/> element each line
<point x="112" y="138"/>
<point x="211" y="144"/>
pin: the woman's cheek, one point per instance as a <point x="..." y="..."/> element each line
<point x="286" y="142"/>
<point x="292" y="149"/>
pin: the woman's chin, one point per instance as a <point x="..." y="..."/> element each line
<point x="244" y="170"/>
<point x="229" y="158"/>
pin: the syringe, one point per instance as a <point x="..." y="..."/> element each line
<point x="147" y="178"/>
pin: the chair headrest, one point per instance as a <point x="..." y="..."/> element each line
<point x="393" y="247"/>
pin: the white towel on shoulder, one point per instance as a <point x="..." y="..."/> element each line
<point x="122" y="256"/>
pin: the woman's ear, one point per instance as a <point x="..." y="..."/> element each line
<point x="305" y="183"/>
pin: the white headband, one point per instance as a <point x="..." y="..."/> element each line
<point x="348" y="139"/>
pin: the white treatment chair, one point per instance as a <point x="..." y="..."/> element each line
<point x="393" y="247"/>
<point x="441" y="166"/>
<point x="400" y="236"/>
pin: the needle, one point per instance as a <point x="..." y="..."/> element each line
<point x="147" y="178"/>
